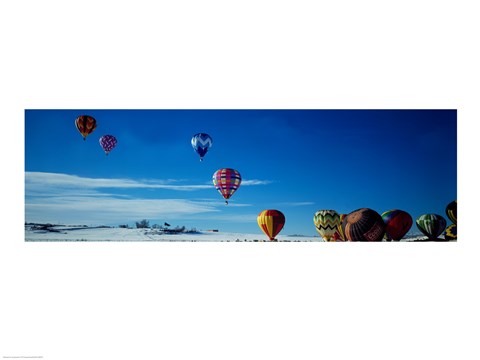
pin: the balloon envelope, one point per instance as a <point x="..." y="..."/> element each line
<point x="397" y="223"/>
<point x="227" y="181"/>
<point x="327" y="223"/>
<point x="363" y="225"/>
<point x="85" y="125"/>
<point x="340" y="235"/>
<point x="451" y="211"/>
<point x="271" y="222"/>
<point x="431" y="225"/>
<point x="201" y="142"/>
<point x="451" y="232"/>
<point x="108" y="142"/>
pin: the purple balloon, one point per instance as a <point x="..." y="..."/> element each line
<point x="108" y="142"/>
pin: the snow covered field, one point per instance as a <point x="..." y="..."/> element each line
<point x="70" y="233"/>
<point x="66" y="233"/>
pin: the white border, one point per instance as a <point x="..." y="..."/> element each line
<point x="238" y="301"/>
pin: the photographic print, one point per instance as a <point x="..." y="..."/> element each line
<point x="240" y="175"/>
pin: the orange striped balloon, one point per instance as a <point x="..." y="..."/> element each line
<point x="271" y="222"/>
<point x="363" y="225"/>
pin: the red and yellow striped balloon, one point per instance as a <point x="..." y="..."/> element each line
<point x="85" y="125"/>
<point x="271" y="222"/>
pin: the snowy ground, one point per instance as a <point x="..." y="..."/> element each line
<point x="71" y="233"/>
<point x="120" y="234"/>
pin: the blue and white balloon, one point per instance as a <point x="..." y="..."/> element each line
<point x="201" y="142"/>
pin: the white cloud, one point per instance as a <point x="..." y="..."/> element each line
<point x="299" y="203"/>
<point x="63" y="198"/>
<point x="88" y="210"/>
<point x="255" y="182"/>
<point x="218" y="200"/>
<point x="42" y="180"/>
<point x="237" y="218"/>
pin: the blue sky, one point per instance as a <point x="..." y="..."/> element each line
<point x="295" y="161"/>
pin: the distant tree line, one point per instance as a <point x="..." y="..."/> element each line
<point x="145" y="224"/>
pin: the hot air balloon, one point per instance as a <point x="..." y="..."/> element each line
<point x="85" y="125"/>
<point x="451" y="232"/>
<point x="451" y="211"/>
<point x="108" y="142"/>
<point x="201" y="142"/>
<point x="431" y="225"/>
<point x="397" y="224"/>
<point x="340" y="236"/>
<point x="227" y="181"/>
<point x="271" y="222"/>
<point x="363" y="225"/>
<point x="327" y="222"/>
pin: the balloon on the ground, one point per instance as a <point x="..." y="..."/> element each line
<point x="340" y="236"/>
<point x="327" y="223"/>
<point x="363" y="225"/>
<point x="108" y="142"/>
<point x="85" y="125"/>
<point x="431" y="225"/>
<point x="451" y="232"/>
<point x="201" y="142"/>
<point x="451" y="211"/>
<point x="397" y="224"/>
<point x="271" y="222"/>
<point x="227" y="181"/>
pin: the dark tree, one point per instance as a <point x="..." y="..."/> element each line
<point x="143" y="224"/>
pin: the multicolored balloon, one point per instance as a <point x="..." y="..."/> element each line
<point x="108" y="142"/>
<point x="201" y="142"/>
<point x="397" y="224"/>
<point x="431" y="225"/>
<point x="340" y="236"/>
<point x="271" y="222"/>
<point x="227" y="181"/>
<point x="85" y="125"/>
<point x="451" y="211"/>
<point x="451" y="232"/>
<point x="363" y="225"/>
<point x="327" y="223"/>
